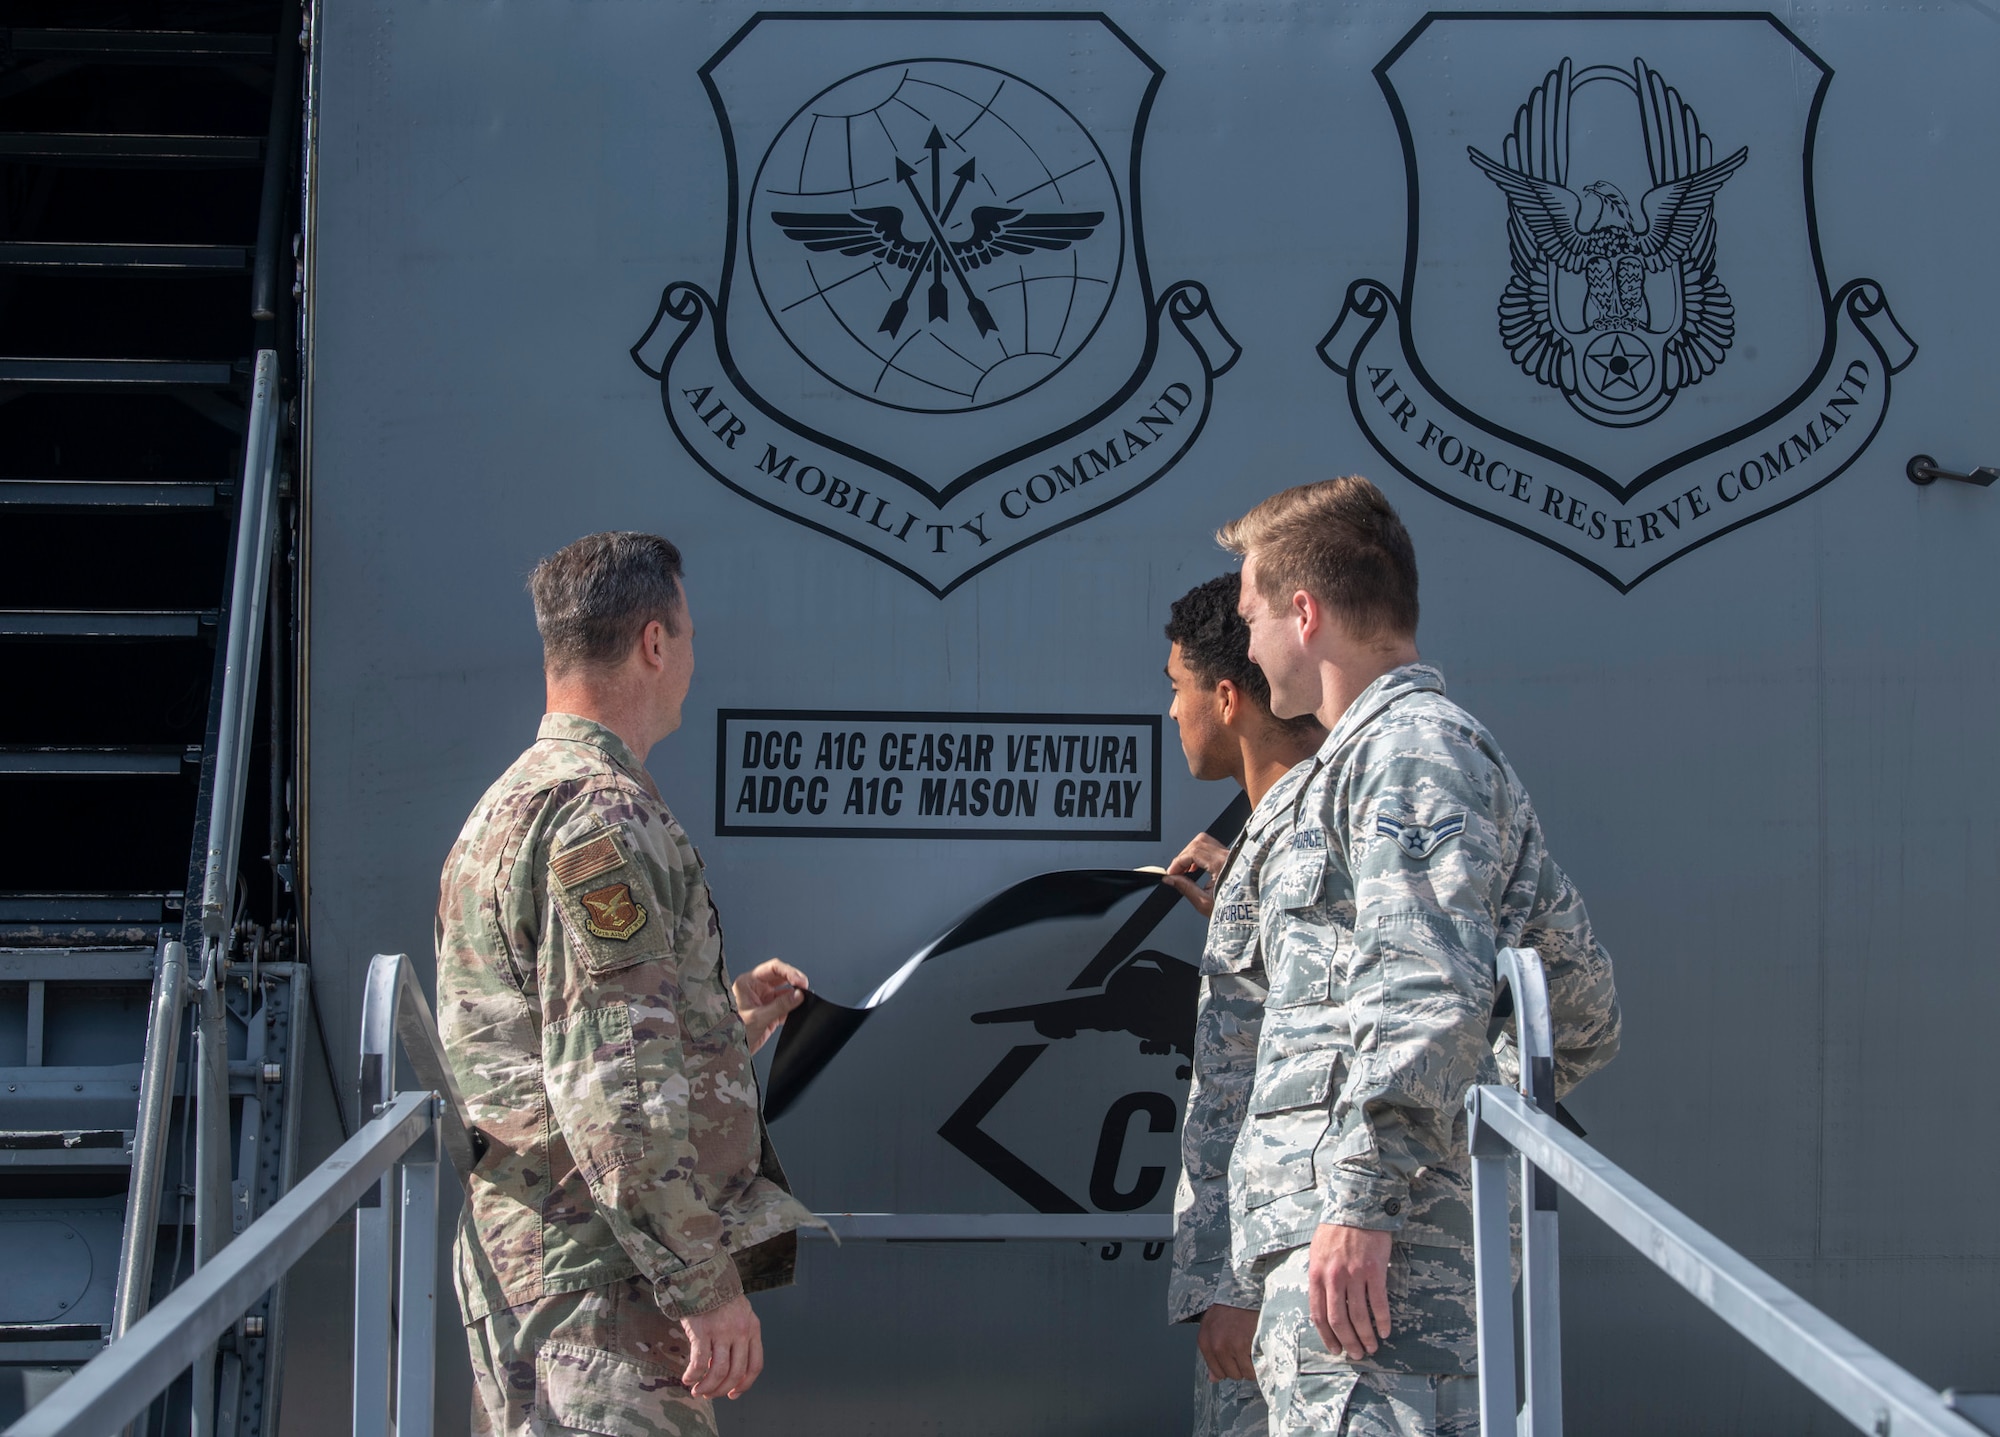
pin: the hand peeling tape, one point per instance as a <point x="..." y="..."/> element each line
<point x="816" y="1030"/>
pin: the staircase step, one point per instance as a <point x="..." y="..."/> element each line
<point x="136" y="47"/>
<point x="120" y="373"/>
<point x="111" y="493"/>
<point x="19" y="908"/>
<point x="101" y="760"/>
<point x="104" y="1149"/>
<point x="76" y="965"/>
<point x="69" y="1099"/>
<point x="86" y="624"/>
<point x="126" y="150"/>
<point x="72" y="255"/>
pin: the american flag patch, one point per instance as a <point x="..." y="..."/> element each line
<point x="585" y="861"/>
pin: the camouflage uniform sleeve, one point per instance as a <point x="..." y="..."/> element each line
<point x="1428" y="811"/>
<point x="1226" y="1026"/>
<point x="619" y="999"/>
<point x="1583" y="1000"/>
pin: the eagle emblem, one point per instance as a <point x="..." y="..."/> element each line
<point x="611" y="912"/>
<point x="1617" y="306"/>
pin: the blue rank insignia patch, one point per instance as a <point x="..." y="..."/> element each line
<point x="1420" y="840"/>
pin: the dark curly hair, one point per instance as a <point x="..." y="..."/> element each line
<point x="1215" y="643"/>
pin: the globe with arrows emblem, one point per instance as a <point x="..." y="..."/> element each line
<point x="935" y="235"/>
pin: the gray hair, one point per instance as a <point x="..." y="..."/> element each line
<point x="593" y="598"/>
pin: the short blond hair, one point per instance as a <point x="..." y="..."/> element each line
<point x="1341" y="542"/>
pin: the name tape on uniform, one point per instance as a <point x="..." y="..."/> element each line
<point x="937" y="775"/>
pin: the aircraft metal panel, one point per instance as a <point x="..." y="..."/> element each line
<point x="1742" y="663"/>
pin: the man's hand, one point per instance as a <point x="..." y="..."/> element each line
<point x="1224" y="1340"/>
<point x="1202" y="855"/>
<point x="1347" y="1287"/>
<point x="727" y="1350"/>
<point x="764" y="995"/>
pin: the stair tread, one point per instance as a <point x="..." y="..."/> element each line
<point x="124" y="145"/>
<point x="201" y="373"/>
<point x="76" y="965"/>
<point x="138" y="46"/>
<point x="95" y="255"/>
<point x="98" y="759"/>
<point x="112" y="493"/>
<point x="104" y="623"/>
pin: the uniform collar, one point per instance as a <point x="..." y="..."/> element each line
<point x="574" y="728"/>
<point x="1278" y="799"/>
<point x="1397" y="684"/>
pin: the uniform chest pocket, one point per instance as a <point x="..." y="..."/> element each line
<point x="1299" y="882"/>
<point x="607" y="906"/>
<point x="1304" y="938"/>
<point x="1232" y="934"/>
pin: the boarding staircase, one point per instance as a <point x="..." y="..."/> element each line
<point x="151" y="1007"/>
<point x="388" y="1175"/>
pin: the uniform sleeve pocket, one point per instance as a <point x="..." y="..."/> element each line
<point x="592" y="1073"/>
<point x="607" y="904"/>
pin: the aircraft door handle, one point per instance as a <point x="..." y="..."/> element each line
<point x="1923" y="469"/>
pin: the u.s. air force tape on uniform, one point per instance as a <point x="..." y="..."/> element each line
<point x="937" y="775"/>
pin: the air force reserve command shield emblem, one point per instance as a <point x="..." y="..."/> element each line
<point x="1614" y="332"/>
<point x="935" y="337"/>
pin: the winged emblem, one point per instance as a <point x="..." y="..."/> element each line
<point x="611" y="912"/>
<point x="1629" y="340"/>
<point x="876" y="232"/>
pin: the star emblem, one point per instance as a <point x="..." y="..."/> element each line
<point x="1619" y="366"/>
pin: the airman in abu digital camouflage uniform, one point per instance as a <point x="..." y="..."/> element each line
<point x="1222" y="707"/>
<point x="627" y="1197"/>
<point x="1414" y="856"/>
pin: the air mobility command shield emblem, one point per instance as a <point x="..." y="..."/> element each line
<point x="1614" y="333"/>
<point x="935" y="336"/>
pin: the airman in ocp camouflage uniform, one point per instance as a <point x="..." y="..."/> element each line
<point x="627" y="1188"/>
<point x="1222" y="709"/>
<point x="1414" y="855"/>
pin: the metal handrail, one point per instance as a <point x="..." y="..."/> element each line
<point x="115" y="1386"/>
<point x="149" y="1140"/>
<point x="277" y="164"/>
<point x="1858" y="1382"/>
<point x="394" y="1010"/>
<point x="395" y="1227"/>
<point x="242" y="646"/>
<point x="1541" y="1252"/>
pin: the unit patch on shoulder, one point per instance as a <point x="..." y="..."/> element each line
<point x="611" y="912"/>
<point x="585" y="861"/>
<point x="1419" y="840"/>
